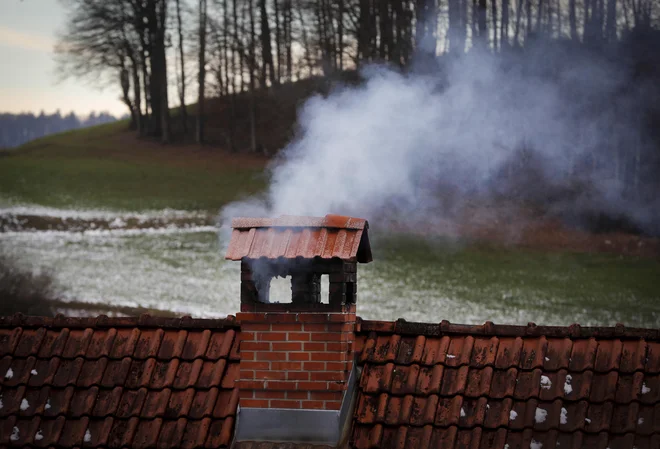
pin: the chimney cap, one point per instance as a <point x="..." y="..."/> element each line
<point x="292" y="237"/>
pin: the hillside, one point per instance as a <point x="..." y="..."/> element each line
<point x="108" y="166"/>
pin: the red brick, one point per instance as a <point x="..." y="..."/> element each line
<point x="248" y="336"/>
<point x="272" y="336"/>
<point x="299" y="336"/>
<point x="326" y="395"/>
<point x="251" y="385"/>
<point x="297" y="375"/>
<point x="315" y="346"/>
<point x="270" y="375"/>
<point x="255" y="346"/>
<point x="248" y="317"/>
<point x="288" y="346"/>
<point x="281" y="385"/>
<point x="268" y="394"/>
<point x="297" y="395"/>
<point x="314" y="366"/>
<point x="283" y="317"/>
<point x="278" y="403"/>
<point x="328" y="336"/>
<point x="287" y="366"/>
<point x="271" y="355"/>
<point x="338" y="366"/>
<point x="339" y="317"/>
<point x="260" y="403"/>
<point x="332" y="405"/>
<point x="342" y="346"/>
<point x="336" y="386"/>
<point x="313" y="386"/>
<point x="246" y="374"/>
<point x="254" y="365"/>
<point x="316" y="327"/>
<point x="246" y="394"/>
<point x="299" y="356"/>
<point x="328" y="356"/>
<point x="324" y="375"/>
<point x="292" y="327"/>
<point x="247" y="355"/>
<point x="312" y="405"/>
<point x="260" y="327"/>
<point x="313" y="317"/>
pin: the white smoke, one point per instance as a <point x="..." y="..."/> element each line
<point x="403" y="144"/>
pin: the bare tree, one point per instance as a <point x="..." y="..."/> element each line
<point x="201" y="77"/>
<point x="182" y="67"/>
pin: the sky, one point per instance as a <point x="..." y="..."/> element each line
<point x="28" y="80"/>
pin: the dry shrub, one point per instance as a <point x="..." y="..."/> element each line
<point x="23" y="291"/>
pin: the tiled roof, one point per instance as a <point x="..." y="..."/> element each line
<point x="307" y="237"/>
<point x="153" y="382"/>
<point x="454" y="386"/>
<point x="117" y="382"/>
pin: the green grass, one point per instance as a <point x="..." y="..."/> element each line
<point x="86" y="169"/>
<point x="575" y="286"/>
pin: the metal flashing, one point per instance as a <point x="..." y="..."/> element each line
<point x="327" y="427"/>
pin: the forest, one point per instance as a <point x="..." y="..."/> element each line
<point x="587" y="71"/>
<point x="215" y="48"/>
<point x="17" y="129"/>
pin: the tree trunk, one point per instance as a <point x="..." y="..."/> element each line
<point x="504" y="31"/>
<point x="483" y="23"/>
<point x="182" y="89"/>
<point x="252" y="68"/>
<point x="137" y="97"/>
<point x="278" y="40"/>
<point x="454" y="17"/>
<point x="266" y="50"/>
<point x="288" y="18"/>
<point x="363" y="53"/>
<point x="125" y="82"/>
<point x="610" y="27"/>
<point x="572" y="20"/>
<point x="201" y="78"/>
<point x="494" y="18"/>
<point x="340" y="35"/>
<point x="519" y="14"/>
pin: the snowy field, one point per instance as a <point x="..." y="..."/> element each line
<point x="174" y="262"/>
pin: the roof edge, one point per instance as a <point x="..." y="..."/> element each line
<point x="489" y="329"/>
<point x="103" y="321"/>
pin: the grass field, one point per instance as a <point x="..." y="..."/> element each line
<point x="425" y="280"/>
<point x="104" y="167"/>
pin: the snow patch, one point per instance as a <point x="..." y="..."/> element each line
<point x="568" y="389"/>
<point x="47" y="404"/>
<point x="640" y="421"/>
<point x="512" y="415"/>
<point x="547" y="359"/>
<point x="462" y="412"/>
<point x="540" y="415"/>
<point x="451" y="356"/>
<point x="1" y="404"/>
<point x="506" y="446"/>
<point x="10" y="373"/>
<point x="25" y="404"/>
<point x="563" y="418"/>
<point x="546" y="384"/>
<point x="117" y="223"/>
<point x="15" y="434"/>
<point x="645" y="389"/>
<point x="88" y="436"/>
<point x="39" y="435"/>
<point x="587" y="420"/>
<point x="535" y="444"/>
<point x="34" y="372"/>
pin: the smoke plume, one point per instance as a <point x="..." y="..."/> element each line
<point x="560" y="127"/>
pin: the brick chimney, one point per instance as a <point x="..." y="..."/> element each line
<point x="297" y="373"/>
